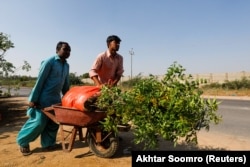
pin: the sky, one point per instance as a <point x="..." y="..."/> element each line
<point x="204" y="36"/>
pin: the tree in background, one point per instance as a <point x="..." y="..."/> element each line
<point x="5" y="66"/>
<point x="74" y="80"/>
<point x="85" y="75"/>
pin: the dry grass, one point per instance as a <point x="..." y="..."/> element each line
<point x="222" y="92"/>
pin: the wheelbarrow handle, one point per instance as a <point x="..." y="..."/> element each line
<point x="49" y="112"/>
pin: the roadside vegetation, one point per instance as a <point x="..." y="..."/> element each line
<point x="228" y="88"/>
<point x="16" y="82"/>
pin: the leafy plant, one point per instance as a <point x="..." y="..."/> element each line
<point x="171" y="108"/>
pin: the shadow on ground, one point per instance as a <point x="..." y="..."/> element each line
<point x="126" y="146"/>
<point x="12" y="113"/>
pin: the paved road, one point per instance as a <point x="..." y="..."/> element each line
<point x="22" y="92"/>
<point x="236" y="118"/>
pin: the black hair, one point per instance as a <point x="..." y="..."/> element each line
<point x="113" y="38"/>
<point x="60" y="44"/>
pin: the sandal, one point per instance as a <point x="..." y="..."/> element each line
<point x="25" y="150"/>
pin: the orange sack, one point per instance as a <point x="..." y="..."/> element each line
<point x="78" y="95"/>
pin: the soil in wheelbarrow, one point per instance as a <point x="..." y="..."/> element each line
<point x="13" y="116"/>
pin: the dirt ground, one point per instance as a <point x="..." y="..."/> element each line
<point x="13" y="115"/>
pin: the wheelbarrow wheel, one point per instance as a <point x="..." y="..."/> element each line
<point x="105" y="149"/>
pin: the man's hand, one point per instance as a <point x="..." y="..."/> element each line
<point x="100" y="86"/>
<point x="32" y="104"/>
<point x="111" y="83"/>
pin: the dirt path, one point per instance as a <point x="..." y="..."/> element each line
<point x="13" y="111"/>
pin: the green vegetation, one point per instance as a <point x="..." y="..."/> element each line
<point x="15" y="82"/>
<point x="75" y="80"/>
<point x="236" y="87"/>
<point x="171" y="108"/>
<point x="7" y="68"/>
<point x="244" y="83"/>
<point x="228" y="88"/>
<point x="5" y="44"/>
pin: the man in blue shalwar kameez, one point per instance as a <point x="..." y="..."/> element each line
<point x="52" y="82"/>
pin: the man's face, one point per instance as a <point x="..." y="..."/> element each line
<point x="113" y="45"/>
<point x="64" y="52"/>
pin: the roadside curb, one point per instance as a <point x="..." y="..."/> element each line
<point x="247" y="98"/>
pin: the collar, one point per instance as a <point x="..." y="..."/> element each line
<point x="109" y="54"/>
<point x="58" y="58"/>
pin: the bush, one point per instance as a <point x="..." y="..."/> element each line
<point x="171" y="108"/>
<point x="244" y="83"/>
<point x="212" y="85"/>
<point x="132" y="82"/>
<point x="74" y="80"/>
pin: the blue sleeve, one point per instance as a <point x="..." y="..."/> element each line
<point x="42" y="76"/>
<point x="66" y="82"/>
<point x="66" y="85"/>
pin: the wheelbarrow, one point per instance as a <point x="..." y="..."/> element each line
<point x="102" y="143"/>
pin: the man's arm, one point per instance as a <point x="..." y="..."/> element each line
<point x="115" y="81"/>
<point x="66" y="85"/>
<point x="96" y="81"/>
<point x="42" y="76"/>
<point x="93" y="71"/>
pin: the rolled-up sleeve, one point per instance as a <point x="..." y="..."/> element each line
<point x="95" y="67"/>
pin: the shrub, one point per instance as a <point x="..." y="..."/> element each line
<point x="171" y="108"/>
<point x="244" y="83"/>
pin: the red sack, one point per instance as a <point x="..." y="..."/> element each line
<point x="78" y="95"/>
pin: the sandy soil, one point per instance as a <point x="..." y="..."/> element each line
<point x="13" y="115"/>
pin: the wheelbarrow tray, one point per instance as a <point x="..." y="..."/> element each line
<point x="70" y="116"/>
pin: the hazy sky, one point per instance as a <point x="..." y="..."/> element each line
<point x="204" y="36"/>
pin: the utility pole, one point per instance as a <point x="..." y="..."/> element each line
<point x="131" y="52"/>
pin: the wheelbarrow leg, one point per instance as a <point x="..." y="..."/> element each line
<point x="72" y="138"/>
<point x="62" y="136"/>
<point x="81" y="138"/>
